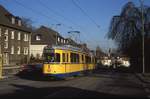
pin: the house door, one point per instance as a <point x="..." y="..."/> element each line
<point x="5" y="59"/>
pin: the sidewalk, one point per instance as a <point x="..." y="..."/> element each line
<point x="144" y="77"/>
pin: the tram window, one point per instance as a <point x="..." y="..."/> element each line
<point x="57" y="57"/>
<point x="63" y="57"/>
<point x="77" y="58"/>
<point x="88" y="59"/>
<point x="74" y="57"/>
<point x="82" y="58"/>
<point x="71" y="58"/>
<point x="49" y="57"/>
<point x="66" y="57"/>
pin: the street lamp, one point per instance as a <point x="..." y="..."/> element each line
<point x="142" y="1"/>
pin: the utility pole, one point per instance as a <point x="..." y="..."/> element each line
<point x="143" y="53"/>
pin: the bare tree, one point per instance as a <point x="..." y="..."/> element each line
<point x="126" y="30"/>
<point x="27" y="22"/>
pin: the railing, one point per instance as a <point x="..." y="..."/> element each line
<point x="10" y="70"/>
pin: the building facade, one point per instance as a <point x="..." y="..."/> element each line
<point x="14" y="41"/>
<point x="42" y="37"/>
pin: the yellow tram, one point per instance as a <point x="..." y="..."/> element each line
<point x="66" y="60"/>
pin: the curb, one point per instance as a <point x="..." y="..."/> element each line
<point x="5" y="78"/>
<point x="140" y="77"/>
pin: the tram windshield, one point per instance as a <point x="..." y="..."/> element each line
<point x="52" y="57"/>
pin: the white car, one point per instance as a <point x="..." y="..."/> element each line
<point x="125" y="63"/>
<point x="106" y="62"/>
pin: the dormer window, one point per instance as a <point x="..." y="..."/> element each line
<point x="58" y="39"/>
<point x="38" y="37"/>
<point x="19" y="22"/>
<point x="13" y="20"/>
<point x="61" y="40"/>
<point x="64" y="41"/>
<point x="67" y="41"/>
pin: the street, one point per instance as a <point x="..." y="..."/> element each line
<point x="100" y="84"/>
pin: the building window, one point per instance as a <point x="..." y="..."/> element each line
<point x="6" y="38"/>
<point x="64" y="41"/>
<point x="25" y="37"/>
<point x="38" y="37"/>
<point x="19" y="36"/>
<point x="25" y="50"/>
<point x="13" y="20"/>
<point x="6" y="45"/>
<point x="67" y="42"/>
<point x="19" y="22"/>
<point x="12" y="34"/>
<point x="18" y="50"/>
<point x="6" y="32"/>
<point x="58" y="39"/>
<point x="12" y="49"/>
<point x="61" y="40"/>
<point x="6" y="58"/>
<point x="0" y="32"/>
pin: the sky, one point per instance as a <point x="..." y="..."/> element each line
<point x="90" y="17"/>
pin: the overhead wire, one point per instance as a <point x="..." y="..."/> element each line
<point x="39" y="13"/>
<point x="84" y="12"/>
<point x="60" y="15"/>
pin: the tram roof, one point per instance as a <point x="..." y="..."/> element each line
<point x="65" y="47"/>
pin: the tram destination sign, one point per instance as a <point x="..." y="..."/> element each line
<point x="48" y="50"/>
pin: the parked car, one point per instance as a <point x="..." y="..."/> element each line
<point x="106" y="62"/>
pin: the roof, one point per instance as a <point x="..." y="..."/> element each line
<point x="48" y="36"/>
<point x="5" y="20"/>
<point x="67" y="47"/>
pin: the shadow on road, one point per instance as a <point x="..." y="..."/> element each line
<point x="25" y="92"/>
<point x="100" y="72"/>
<point x="36" y="76"/>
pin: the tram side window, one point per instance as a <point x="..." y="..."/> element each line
<point x="82" y="59"/>
<point x="77" y="58"/>
<point x="71" y="57"/>
<point x="67" y="57"/>
<point x="57" y="57"/>
<point x="74" y="58"/>
<point x="88" y="59"/>
<point x="63" y="57"/>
